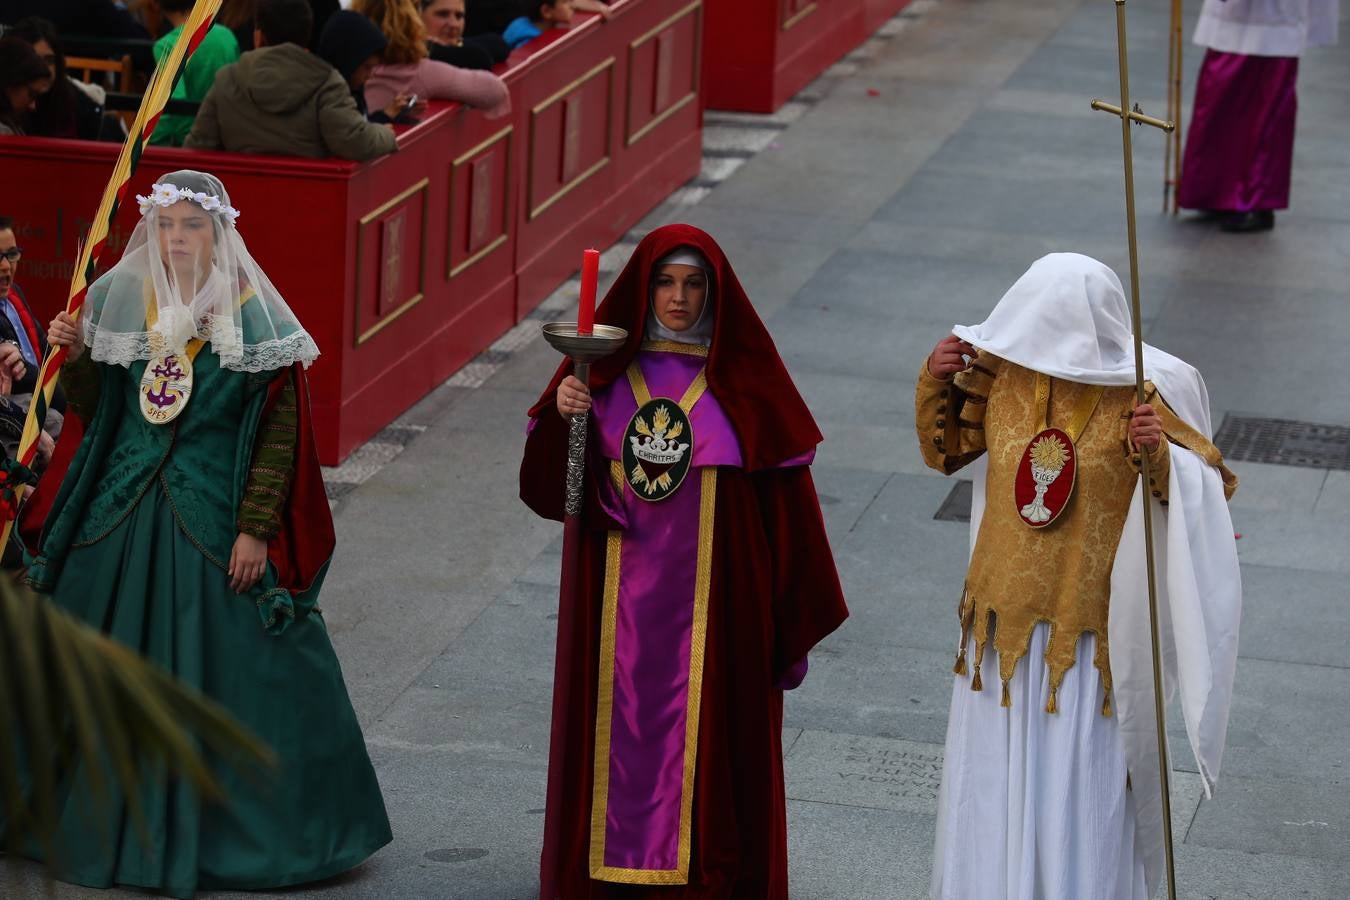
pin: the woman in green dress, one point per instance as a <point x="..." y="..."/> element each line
<point x="192" y="526"/>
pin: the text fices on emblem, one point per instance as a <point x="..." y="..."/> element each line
<point x="1045" y="477"/>
<point x="658" y="446"/>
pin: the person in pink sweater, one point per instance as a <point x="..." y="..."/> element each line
<point x="405" y="68"/>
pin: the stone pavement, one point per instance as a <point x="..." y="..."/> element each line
<point x="902" y="194"/>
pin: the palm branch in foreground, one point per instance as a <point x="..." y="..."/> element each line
<point x="70" y="694"/>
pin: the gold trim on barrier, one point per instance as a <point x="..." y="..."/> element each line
<point x="675" y="17"/>
<point x="797" y="17"/>
<point x="453" y="268"/>
<point x="487" y="249"/>
<point x="570" y="87"/>
<point x="631" y="136"/>
<point x="537" y="210"/>
<point x="470" y="154"/>
<point x="670" y="111"/>
<point x="420" y="187"/>
<point x="390" y="204"/>
<point x="569" y="187"/>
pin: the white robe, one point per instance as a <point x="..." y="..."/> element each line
<point x="1267" y="27"/>
<point x="1033" y="805"/>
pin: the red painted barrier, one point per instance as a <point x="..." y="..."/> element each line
<point x="407" y="267"/>
<point x="758" y="53"/>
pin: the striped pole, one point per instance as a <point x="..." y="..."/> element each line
<point x="156" y="96"/>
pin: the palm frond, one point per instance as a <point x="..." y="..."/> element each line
<point x="69" y="693"/>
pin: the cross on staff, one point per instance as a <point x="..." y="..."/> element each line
<point x="1127" y="114"/>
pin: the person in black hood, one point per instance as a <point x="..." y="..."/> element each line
<point x="354" y="45"/>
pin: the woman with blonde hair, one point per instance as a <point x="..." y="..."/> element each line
<point x="406" y="67"/>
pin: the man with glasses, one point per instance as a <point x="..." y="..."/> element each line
<point x="23" y="342"/>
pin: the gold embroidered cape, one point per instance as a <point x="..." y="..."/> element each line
<point x="1059" y="574"/>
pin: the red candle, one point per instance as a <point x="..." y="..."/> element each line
<point x="590" y="275"/>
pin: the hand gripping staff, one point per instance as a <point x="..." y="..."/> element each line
<point x="584" y="343"/>
<point x="1128" y="114"/>
<point x="14" y="482"/>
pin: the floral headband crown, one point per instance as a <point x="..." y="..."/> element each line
<point x="166" y="195"/>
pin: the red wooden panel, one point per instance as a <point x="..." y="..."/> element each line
<point x="663" y="73"/>
<point x="405" y="268"/>
<point x="391" y="260"/>
<point x="591" y="173"/>
<point x="569" y="138"/>
<point x="480" y="202"/>
<point x="761" y="52"/>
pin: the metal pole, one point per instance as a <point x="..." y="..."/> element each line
<point x="1178" y="42"/>
<point x="1164" y="765"/>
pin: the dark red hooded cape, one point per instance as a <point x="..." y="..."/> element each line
<point x="775" y="594"/>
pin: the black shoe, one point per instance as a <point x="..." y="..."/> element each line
<point x="1256" y="220"/>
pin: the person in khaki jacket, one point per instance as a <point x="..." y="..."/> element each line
<point x="282" y="99"/>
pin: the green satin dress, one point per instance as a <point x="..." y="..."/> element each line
<point x="137" y="544"/>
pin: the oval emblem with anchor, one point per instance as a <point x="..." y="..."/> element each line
<point x="1045" y="478"/>
<point x="166" y="387"/>
<point x="657" y="449"/>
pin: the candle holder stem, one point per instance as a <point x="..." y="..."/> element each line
<point x="583" y="349"/>
<point x="576" y="448"/>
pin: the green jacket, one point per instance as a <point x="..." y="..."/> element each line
<point x="218" y="49"/>
<point x="288" y="101"/>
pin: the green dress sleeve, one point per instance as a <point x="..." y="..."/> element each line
<point x="269" y="476"/>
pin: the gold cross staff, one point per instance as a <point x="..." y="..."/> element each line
<point x="1128" y="114"/>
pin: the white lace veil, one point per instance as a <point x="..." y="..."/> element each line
<point x="160" y="295"/>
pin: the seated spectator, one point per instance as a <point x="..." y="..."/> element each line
<point x="407" y="69"/>
<point x="218" y="49"/>
<point x="445" y="22"/>
<point x="23" y="78"/>
<point x="96" y="18"/>
<point x="353" y="45"/>
<point x="69" y="108"/>
<point x="283" y="99"/>
<point x="23" y="344"/>
<point x="549" y="14"/>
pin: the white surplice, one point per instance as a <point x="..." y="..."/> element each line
<point x="1267" y="27"/>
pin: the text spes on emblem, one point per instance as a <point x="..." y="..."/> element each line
<point x="1045" y="478"/>
<point x="657" y="449"/>
<point x="166" y="387"/>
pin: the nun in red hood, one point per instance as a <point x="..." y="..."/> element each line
<point x="705" y="579"/>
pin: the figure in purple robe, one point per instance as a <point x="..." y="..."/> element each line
<point x="705" y="579"/>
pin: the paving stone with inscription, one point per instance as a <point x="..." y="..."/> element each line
<point x="856" y="770"/>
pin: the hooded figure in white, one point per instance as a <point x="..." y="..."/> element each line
<point x="1058" y="789"/>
